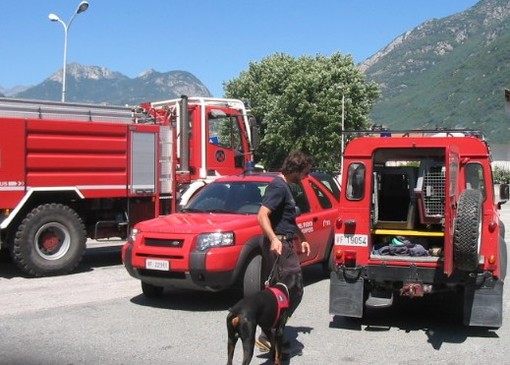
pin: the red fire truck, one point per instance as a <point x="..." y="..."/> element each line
<point x="72" y="171"/>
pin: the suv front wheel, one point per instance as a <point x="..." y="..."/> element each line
<point x="252" y="281"/>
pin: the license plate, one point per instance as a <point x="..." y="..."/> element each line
<point x="161" y="265"/>
<point x="359" y="240"/>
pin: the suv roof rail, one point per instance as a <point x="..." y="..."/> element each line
<point x="379" y="131"/>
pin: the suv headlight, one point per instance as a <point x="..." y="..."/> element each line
<point x="218" y="239"/>
<point x="132" y="235"/>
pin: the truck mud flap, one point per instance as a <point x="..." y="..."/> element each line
<point x="345" y="296"/>
<point x="483" y="306"/>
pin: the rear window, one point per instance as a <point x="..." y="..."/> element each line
<point x="355" y="181"/>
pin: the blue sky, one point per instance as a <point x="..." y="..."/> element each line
<point x="213" y="39"/>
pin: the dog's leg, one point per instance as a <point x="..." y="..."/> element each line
<point x="247" y="333"/>
<point x="276" y="346"/>
<point x="232" y="323"/>
<point x="277" y="337"/>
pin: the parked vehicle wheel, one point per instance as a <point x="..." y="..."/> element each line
<point x="252" y="281"/>
<point x="151" y="291"/>
<point x="51" y="240"/>
<point x="328" y="265"/>
<point x="503" y="258"/>
<point x="468" y="227"/>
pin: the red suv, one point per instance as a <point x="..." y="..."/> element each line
<point x="419" y="215"/>
<point x="215" y="241"/>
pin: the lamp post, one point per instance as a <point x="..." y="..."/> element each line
<point x="343" y="126"/>
<point x="54" y="18"/>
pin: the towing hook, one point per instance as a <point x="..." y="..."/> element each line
<point x="412" y="290"/>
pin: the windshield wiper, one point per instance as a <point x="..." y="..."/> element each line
<point x="220" y="211"/>
<point x="191" y="210"/>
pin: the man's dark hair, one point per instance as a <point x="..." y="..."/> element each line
<point x="296" y="161"/>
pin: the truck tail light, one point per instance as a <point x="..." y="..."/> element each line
<point x="347" y="258"/>
<point x="350" y="258"/>
<point x="339" y="256"/>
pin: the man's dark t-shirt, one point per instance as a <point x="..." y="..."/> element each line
<point x="279" y="200"/>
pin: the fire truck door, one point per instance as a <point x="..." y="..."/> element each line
<point x="451" y="195"/>
<point x="225" y="154"/>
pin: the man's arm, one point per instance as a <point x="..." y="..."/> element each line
<point x="265" y="224"/>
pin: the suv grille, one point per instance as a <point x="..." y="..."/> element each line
<point x="163" y="242"/>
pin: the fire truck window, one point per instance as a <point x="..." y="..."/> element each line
<point x="220" y="132"/>
<point x="238" y="145"/>
<point x="474" y="177"/>
<point x="355" y="181"/>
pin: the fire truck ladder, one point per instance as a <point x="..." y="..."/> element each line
<point x="43" y="109"/>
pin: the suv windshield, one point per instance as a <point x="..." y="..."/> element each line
<point x="228" y="197"/>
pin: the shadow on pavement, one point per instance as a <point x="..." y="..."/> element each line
<point x="439" y="316"/>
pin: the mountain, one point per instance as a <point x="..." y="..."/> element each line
<point x="12" y="91"/>
<point x="93" y="84"/>
<point x="448" y="72"/>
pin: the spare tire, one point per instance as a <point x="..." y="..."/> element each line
<point x="468" y="230"/>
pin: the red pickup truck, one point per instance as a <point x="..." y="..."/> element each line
<point x="215" y="241"/>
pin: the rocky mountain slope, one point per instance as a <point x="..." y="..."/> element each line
<point x="93" y="84"/>
<point x="448" y="72"/>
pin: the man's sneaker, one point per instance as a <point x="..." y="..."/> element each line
<point x="264" y="344"/>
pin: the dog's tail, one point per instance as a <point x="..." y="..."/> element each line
<point x="233" y="319"/>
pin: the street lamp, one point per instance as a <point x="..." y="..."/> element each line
<point x="54" y="18"/>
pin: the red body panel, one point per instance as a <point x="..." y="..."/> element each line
<point x="81" y="154"/>
<point x="470" y="149"/>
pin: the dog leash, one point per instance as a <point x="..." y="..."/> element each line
<point x="271" y="273"/>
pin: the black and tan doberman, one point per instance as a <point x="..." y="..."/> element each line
<point x="267" y="309"/>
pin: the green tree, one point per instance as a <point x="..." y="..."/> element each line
<point x="298" y="103"/>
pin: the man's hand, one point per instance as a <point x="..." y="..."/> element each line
<point x="276" y="246"/>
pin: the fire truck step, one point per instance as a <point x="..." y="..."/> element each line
<point x="379" y="299"/>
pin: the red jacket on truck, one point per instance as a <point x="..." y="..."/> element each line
<point x="71" y="171"/>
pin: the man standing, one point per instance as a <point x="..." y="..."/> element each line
<point x="277" y="218"/>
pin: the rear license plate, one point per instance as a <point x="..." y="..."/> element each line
<point x="161" y="265"/>
<point x="360" y="240"/>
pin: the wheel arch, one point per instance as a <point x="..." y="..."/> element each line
<point x="38" y="196"/>
<point x="253" y="247"/>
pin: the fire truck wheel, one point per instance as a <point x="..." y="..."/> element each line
<point x="151" y="291"/>
<point x="468" y="230"/>
<point x="252" y="281"/>
<point x="50" y="240"/>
